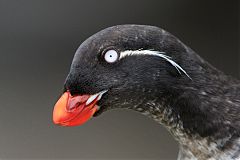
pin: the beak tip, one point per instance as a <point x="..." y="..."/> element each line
<point x="55" y="121"/>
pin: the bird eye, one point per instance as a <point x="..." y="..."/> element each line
<point x="111" y="56"/>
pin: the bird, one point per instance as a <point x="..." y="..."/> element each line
<point x="147" y="69"/>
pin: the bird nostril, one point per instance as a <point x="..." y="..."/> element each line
<point x="75" y="101"/>
<point x="74" y="105"/>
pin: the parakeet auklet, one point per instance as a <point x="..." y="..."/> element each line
<point x="146" y="69"/>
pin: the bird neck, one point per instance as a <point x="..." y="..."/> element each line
<point x="201" y="133"/>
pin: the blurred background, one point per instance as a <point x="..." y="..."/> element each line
<point x="37" y="43"/>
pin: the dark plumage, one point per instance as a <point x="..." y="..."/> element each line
<point x="201" y="108"/>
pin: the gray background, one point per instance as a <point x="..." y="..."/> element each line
<point x="37" y="42"/>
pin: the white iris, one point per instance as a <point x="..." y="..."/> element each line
<point x="111" y="56"/>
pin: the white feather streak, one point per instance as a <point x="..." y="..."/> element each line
<point x="154" y="53"/>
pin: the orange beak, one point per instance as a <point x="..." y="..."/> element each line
<point x="72" y="110"/>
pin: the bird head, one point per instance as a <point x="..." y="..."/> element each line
<point x="123" y="66"/>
